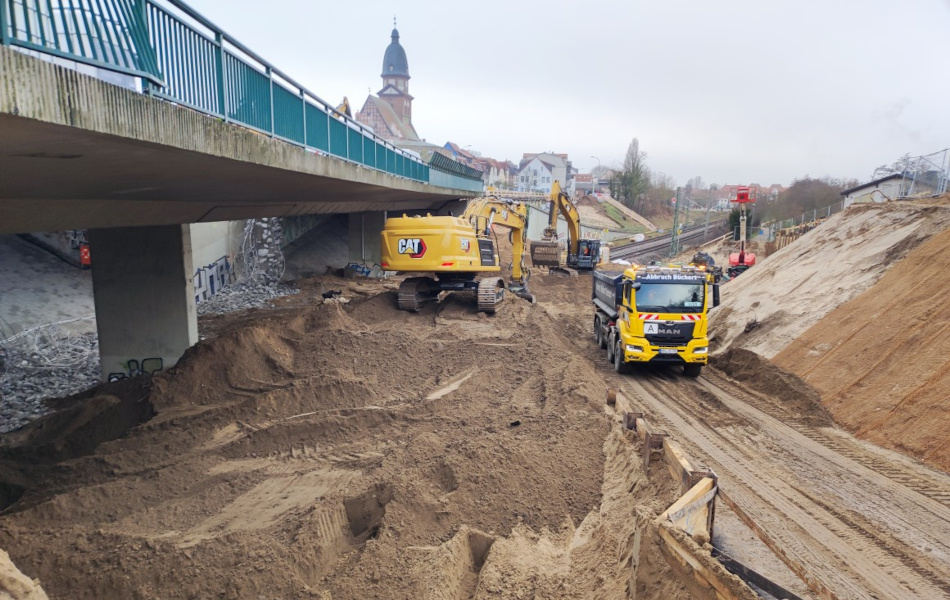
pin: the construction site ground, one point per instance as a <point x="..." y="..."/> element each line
<point x="344" y="449"/>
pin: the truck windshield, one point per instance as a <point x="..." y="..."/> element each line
<point x="670" y="297"/>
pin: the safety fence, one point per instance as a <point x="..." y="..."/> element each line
<point x="181" y="56"/>
<point x="688" y="523"/>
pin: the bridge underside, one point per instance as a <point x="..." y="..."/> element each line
<point x="60" y="177"/>
<point x="77" y="152"/>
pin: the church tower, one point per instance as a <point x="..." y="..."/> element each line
<point x="389" y="112"/>
<point x="395" y="76"/>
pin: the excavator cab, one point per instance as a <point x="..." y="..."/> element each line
<point x="587" y="257"/>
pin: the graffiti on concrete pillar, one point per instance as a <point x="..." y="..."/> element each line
<point x="134" y="368"/>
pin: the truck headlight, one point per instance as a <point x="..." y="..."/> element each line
<point x="632" y="348"/>
<point x="701" y="350"/>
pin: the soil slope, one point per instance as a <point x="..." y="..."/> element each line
<point x="881" y="362"/>
<point x="767" y="307"/>
<point x="344" y="450"/>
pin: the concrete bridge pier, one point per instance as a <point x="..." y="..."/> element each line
<point x="363" y="235"/>
<point x="144" y="293"/>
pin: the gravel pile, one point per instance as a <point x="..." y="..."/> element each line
<point x="51" y="363"/>
<point x="244" y="296"/>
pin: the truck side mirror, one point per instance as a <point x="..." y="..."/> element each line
<point x="635" y="285"/>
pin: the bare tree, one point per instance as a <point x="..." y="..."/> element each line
<point x="635" y="178"/>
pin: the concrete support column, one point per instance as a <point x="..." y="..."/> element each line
<point x="144" y="295"/>
<point x="364" y="231"/>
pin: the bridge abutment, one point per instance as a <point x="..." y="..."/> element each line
<point x="144" y="293"/>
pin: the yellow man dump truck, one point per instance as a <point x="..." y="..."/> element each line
<point x="655" y="315"/>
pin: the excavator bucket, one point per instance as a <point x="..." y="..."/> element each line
<point x="546" y="254"/>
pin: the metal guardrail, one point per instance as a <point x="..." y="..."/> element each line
<point x="183" y="57"/>
<point x="446" y="164"/>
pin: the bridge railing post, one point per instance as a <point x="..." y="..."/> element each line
<point x="303" y="112"/>
<point x="4" y="23"/>
<point x="219" y="74"/>
<point x="270" y="82"/>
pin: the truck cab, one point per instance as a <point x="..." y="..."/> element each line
<point x="655" y="315"/>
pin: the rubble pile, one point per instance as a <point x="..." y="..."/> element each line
<point x="244" y="296"/>
<point x="47" y="363"/>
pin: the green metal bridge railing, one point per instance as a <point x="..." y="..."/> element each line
<point x="181" y="56"/>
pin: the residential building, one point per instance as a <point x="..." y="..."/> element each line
<point x="538" y="171"/>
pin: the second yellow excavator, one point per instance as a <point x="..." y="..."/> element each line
<point x="581" y="254"/>
<point x="457" y="250"/>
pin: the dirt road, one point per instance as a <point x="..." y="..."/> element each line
<point x="851" y="520"/>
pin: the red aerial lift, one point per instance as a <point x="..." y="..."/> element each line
<point x="741" y="260"/>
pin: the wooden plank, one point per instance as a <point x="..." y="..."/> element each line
<point x="680" y="467"/>
<point x="707" y="581"/>
<point x="642" y="429"/>
<point x="697" y="491"/>
<point x="694" y="517"/>
<point x="749" y="576"/>
<point x="622" y="403"/>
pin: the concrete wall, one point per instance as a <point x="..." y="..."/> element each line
<point x="211" y="241"/>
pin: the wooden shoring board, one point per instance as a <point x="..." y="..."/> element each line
<point x="703" y="575"/>
<point x="691" y="512"/>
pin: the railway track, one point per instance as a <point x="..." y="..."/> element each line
<point x="660" y="246"/>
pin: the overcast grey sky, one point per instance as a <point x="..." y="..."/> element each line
<point x="732" y="90"/>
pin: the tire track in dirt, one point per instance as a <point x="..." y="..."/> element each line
<point x="838" y="557"/>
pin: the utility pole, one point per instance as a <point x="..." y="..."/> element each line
<point x="706" y="228"/>
<point x="675" y="237"/>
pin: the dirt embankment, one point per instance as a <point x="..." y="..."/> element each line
<point x="880" y="361"/>
<point x="768" y="306"/>
<point x="343" y="451"/>
<point x="853" y="311"/>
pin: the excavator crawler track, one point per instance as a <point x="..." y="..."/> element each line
<point x="491" y="291"/>
<point x="414" y="291"/>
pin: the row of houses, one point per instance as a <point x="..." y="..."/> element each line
<point x="535" y="172"/>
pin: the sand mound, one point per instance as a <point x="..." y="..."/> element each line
<point x="880" y="361"/>
<point x="15" y="585"/>
<point x="782" y="388"/>
<point x="766" y="308"/>
<point x="308" y="449"/>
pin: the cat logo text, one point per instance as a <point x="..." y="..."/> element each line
<point x="414" y="247"/>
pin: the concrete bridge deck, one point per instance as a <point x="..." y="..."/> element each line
<point x="77" y="152"/>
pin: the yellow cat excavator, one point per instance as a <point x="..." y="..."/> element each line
<point x="457" y="250"/>
<point x="581" y="254"/>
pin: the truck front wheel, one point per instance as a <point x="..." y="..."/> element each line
<point x="620" y="365"/>
<point x="692" y="369"/>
